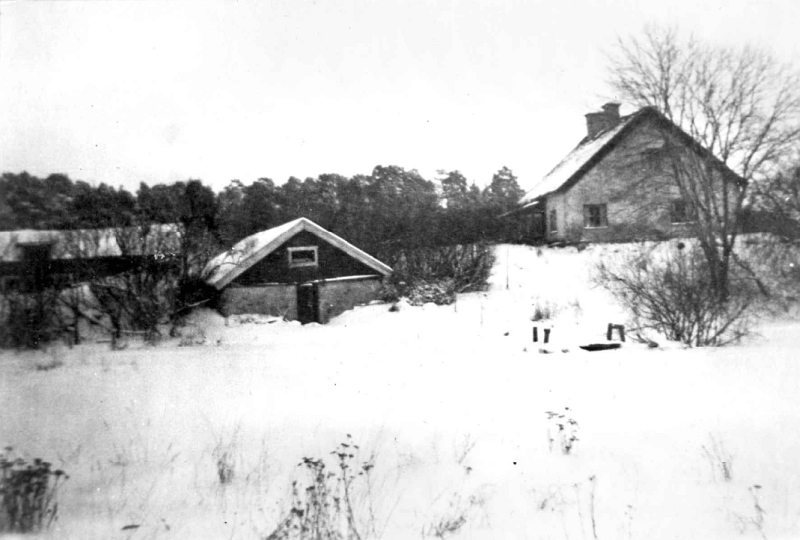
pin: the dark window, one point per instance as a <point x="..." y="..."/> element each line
<point x="595" y="216"/>
<point x="553" y="221"/>
<point x="35" y="262"/>
<point x="35" y="255"/>
<point x="682" y="211"/>
<point x="302" y="256"/>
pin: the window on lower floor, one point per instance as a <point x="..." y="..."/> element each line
<point x="553" y="221"/>
<point x="302" y="256"/>
<point x="682" y="211"/>
<point x="595" y="216"/>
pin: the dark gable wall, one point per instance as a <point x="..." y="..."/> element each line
<point x="332" y="263"/>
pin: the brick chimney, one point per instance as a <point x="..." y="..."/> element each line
<point x="601" y="121"/>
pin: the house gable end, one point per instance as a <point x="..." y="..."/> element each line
<point x="627" y="130"/>
<point x="647" y="115"/>
<point x="324" y="261"/>
<point x="228" y="266"/>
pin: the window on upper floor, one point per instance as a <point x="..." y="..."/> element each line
<point x="595" y="216"/>
<point x="682" y="211"/>
<point x="302" y="256"/>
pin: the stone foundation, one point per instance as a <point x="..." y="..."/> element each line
<point x="335" y="297"/>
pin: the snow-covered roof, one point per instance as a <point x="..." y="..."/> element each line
<point x="90" y="243"/>
<point x="229" y="265"/>
<point x="575" y="161"/>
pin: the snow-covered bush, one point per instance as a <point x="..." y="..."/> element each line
<point x="440" y="292"/>
<point x="437" y="274"/>
<point x="668" y="290"/>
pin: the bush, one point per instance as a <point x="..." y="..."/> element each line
<point x="543" y="310"/>
<point x="28" y="320"/>
<point x="437" y="274"/>
<point x="27" y="493"/>
<point x="193" y="292"/>
<point x="670" y="291"/>
<point x="440" y="292"/>
<point x="137" y="301"/>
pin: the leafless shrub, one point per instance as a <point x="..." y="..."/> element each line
<point x="543" y="310"/>
<point x="143" y="296"/>
<point x="28" y="318"/>
<point x="439" y="272"/>
<point x="671" y="292"/>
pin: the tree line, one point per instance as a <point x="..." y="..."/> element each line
<point x="392" y="208"/>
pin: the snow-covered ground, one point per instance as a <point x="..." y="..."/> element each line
<point x="452" y="402"/>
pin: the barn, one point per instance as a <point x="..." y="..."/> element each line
<point x="298" y="271"/>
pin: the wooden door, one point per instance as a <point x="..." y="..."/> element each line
<point x="307" y="303"/>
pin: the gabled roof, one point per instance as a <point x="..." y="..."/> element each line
<point x="92" y="243"/>
<point x="229" y="265"/>
<point x="590" y="151"/>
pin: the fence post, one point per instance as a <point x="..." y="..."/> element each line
<point x="620" y="329"/>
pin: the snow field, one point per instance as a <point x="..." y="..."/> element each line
<point x="451" y="400"/>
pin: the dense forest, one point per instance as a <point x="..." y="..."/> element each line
<point x="391" y="208"/>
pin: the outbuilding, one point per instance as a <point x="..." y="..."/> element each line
<point x="298" y="271"/>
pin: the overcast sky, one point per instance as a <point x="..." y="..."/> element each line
<point x="157" y="91"/>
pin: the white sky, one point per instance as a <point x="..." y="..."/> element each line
<point x="158" y="91"/>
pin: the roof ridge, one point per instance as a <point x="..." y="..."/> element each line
<point x="601" y="140"/>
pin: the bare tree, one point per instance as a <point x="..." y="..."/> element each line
<point x="130" y="273"/>
<point x="780" y="198"/>
<point x="740" y="104"/>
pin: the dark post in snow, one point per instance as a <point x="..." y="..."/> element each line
<point x="536" y="334"/>
<point x="619" y="327"/>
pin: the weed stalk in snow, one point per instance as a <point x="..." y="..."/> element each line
<point x="566" y="429"/>
<point x="324" y="509"/>
<point x="27" y="493"/>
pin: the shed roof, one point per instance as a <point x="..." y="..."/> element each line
<point x="227" y="266"/>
